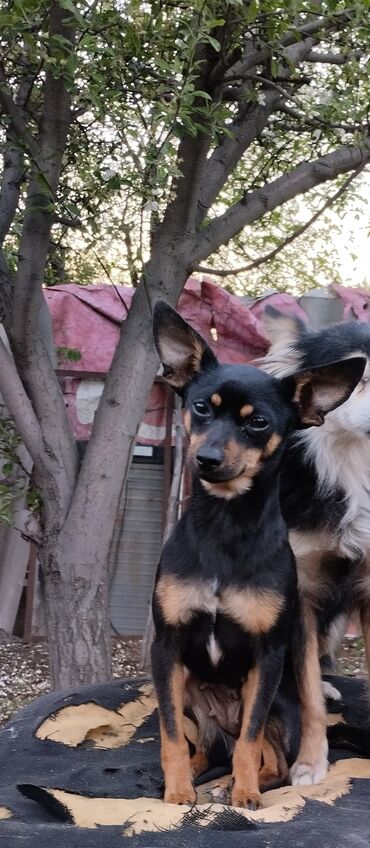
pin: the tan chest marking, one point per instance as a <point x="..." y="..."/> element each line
<point x="181" y="599"/>
<point x="255" y="610"/>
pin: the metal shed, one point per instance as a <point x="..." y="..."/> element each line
<point x="137" y="543"/>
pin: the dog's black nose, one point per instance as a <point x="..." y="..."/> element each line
<point x="208" y="457"/>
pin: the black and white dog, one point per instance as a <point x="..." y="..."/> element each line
<point x="325" y="492"/>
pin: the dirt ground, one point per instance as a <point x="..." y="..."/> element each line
<point x="24" y="668"/>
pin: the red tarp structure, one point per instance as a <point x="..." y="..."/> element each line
<point x="88" y="318"/>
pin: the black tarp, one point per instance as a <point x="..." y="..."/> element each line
<point x="80" y="769"/>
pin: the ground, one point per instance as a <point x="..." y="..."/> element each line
<point x="24" y="667"/>
<point x="24" y="670"/>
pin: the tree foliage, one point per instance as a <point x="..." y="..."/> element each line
<point x="132" y="75"/>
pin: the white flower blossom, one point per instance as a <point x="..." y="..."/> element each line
<point x="323" y="97"/>
<point x="107" y="174"/>
<point x="261" y="99"/>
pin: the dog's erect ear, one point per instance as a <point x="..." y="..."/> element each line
<point x="284" y="333"/>
<point x="321" y="389"/>
<point x="182" y="350"/>
<point x="280" y="328"/>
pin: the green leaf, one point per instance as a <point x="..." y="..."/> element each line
<point x="214" y="43"/>
<point x="68" y="353"/>
<point x="203" y="94"/>
<point x="74" y="355"/>
<point x="274" y="68"/>
<point x="251" y="11"/>
<point x="70" y="7"/>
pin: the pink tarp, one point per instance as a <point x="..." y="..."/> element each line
<point x="355" y="302"/>
<point x="88" y="318"/>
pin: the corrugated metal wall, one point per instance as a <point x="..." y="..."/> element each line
<point x="136" y="548"/>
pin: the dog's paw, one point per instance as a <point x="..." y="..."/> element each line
<point x="312" y="763"/>
<point x="217" y="792"/>
<point x="330" y="692"/>
<point x="306" y="774"/>
<point x="181" y="794"/>
<point x="240" y="797"/>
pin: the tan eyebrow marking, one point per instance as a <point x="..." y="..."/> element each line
<point x="247" y="409"/>
<point x="272" y="444"/>
<point x="216" y="399"/>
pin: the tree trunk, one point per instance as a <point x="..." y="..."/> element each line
<point x="76" y="603"/>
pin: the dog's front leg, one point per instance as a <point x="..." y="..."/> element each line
<point x="257" y="695"/>
<point x="312" y="761"/>
<point x="168" y="676"/>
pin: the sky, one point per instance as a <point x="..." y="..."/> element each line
<point x="355" y="239"/>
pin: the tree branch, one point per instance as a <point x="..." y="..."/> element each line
<point x="248" y="124"/>
<point x="254" y="205"/>
<point x="20" y="407"/>
<point x="13" y="171"/>
<point x="260" y="54"/>
<point x="318" y="122"/>
<point x="268" y="83"/>
<point x="299" y="231"/>
<point x="32" y="359"/>
<point x="192" y="154"/>
<point x="6" y="290"/>
<point x="333" y="58"/>
<point x="68" y="223"/>
<point x="12" y="176"/>
<point x="18" y="120"/>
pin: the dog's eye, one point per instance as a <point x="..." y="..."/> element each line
<point x="201" y="408"/>
<point x="258" y="422"/>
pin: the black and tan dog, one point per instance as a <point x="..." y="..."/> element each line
<point x="225" y="603"/>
